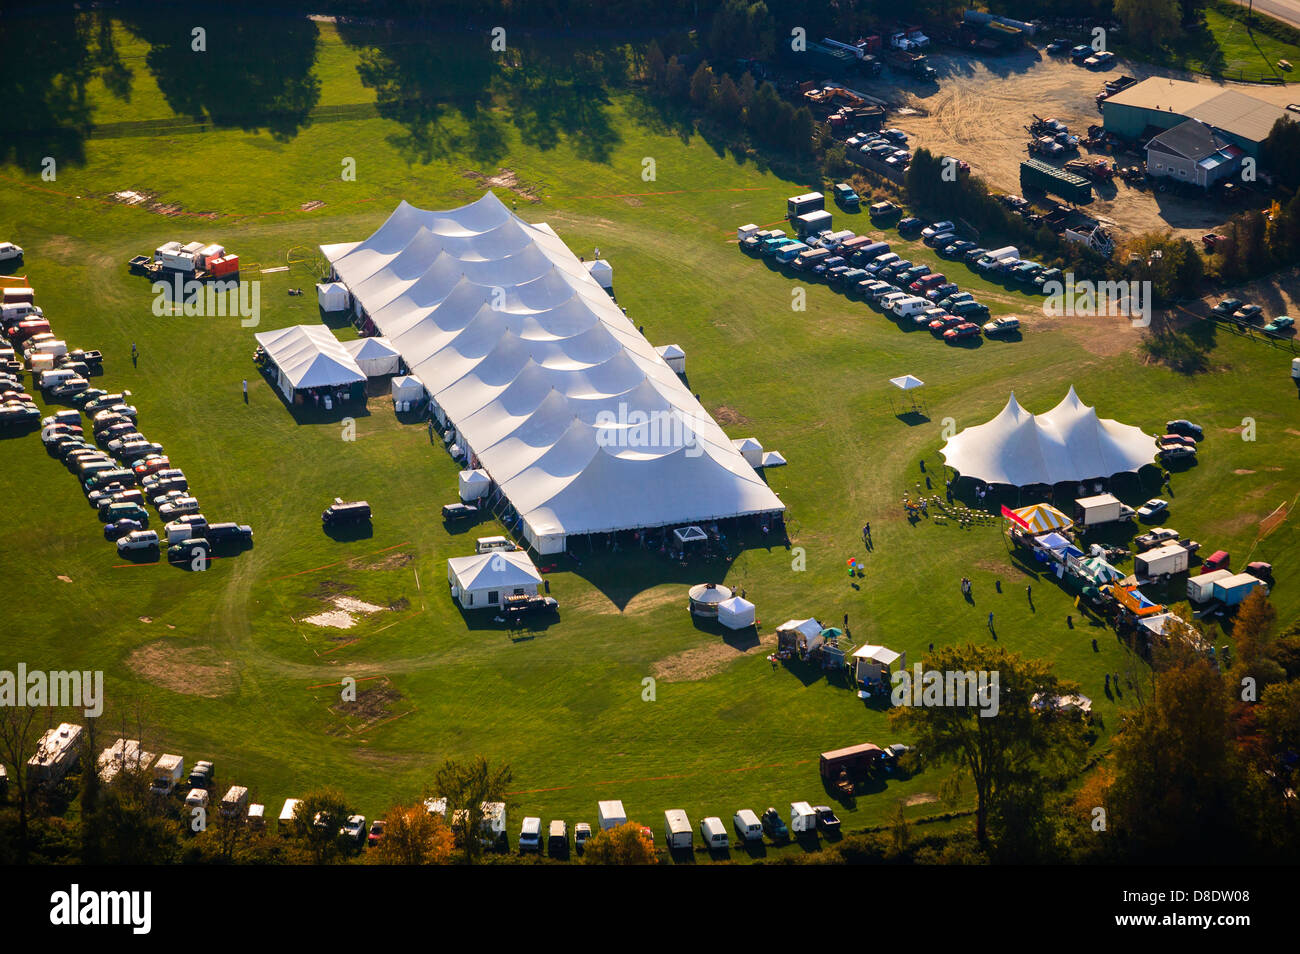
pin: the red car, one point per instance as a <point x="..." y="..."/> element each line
<point x="943" y="325"/>
<point x="1211" y="239"/>
<point x="967" y="329"/>
<point x="27" y="328"/>
<point x="152" y="464"/>
<point x="376" y="833"/>
<point x="1177" y="439"/>
<point x="926" y="282"/>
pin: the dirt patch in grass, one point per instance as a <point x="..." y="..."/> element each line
<point x="338" y="619"/>
<point x="328" y="589"/>
<point x="311" y="206"/>
<point x="399" y="604"/>
<point x="375" y="701"/>
<point x="920" y="798"/>
<point x="1242" y="470"/>
<point x="391" y="561"/>
<point x="351" y="605"/>
<point x="729" y="415"/>
<point x="65" y="579"/>
<point x="146" y="619"/>
<point x="505" y="179"/>
<point x="191" y="671"/>
<point x="701" y="662"/>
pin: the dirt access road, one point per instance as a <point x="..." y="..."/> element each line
<point x="982" y="104"/>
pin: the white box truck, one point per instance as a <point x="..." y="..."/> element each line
<point x="167" y="774"/>
<point x="802" y="818"/>
<point x="677" y="829"/>
<point x="714" y="833"/>
<point x="747" y="825"/>
<point x="1170" y="558"/>
<point x="286" y="815"/>
<point x="58" y="751"/>
<point x="197" y="798"/>
<point x="1100" y="509"/>
<point x="610" y="814"/>
<point x="494" y="824"/>
<point x="256" y="816"/>
<point x="1200" y="589"/>
<point x="235" y="802"/>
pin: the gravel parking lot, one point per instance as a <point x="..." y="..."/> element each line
<point x="980" y="108"/>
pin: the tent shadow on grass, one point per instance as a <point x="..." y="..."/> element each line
<point x="913" y="418"/>
<point x="485" y="620"/>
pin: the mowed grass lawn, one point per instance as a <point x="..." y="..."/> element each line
<point x="221" y="664"/>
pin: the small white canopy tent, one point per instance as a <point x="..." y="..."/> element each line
<point x="736" y="613"/>
<point x="332" y="296"/>
<point x="750" y="449"/>
<point x="309" y="356"/>
<point x="674" y="356"/>
<point x="908" y="383"/>
<point x="482" y="581"/>
<point x="805" y="634"/>
<point x="473" y="484"/>
<point x="690" y="535"/>
<point x="407" y="387"/>
<point x="374" y="356"/>
<point x="773" y="459"/>
<point x="603" y="272"/>
<point x="869" y="662"/>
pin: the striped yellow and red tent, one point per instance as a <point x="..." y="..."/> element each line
<point x="1038" y="518"/>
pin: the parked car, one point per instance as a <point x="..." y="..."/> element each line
<point x="826" y="818"/>
<point x="229" y="533"/>
<point x="1152" y="509"/>
<point x="1002" y="326"/>
<point x="1177" y="452"/>
<point x="85" y="396"/>
<point x="953" y="299"/>
<point x="940" y="292"/>
<point x="1185" y="427"/>
<point x="376" y="833"/>
<point x="340" y="513"/>
<point x="188" y="551"/>
<point x="1247" y="314"/>
<point x="967" y="329"/>
<point x="158" y="476"/>
<point x="910" y="224"/>
<point x="956" y="249"/>
<point x="151" y="464"/>
<point x="138" y="540"/>
<point x="1227" y="307"/>
<point x="113" y="512"/>
<point x="1282" y="324"/>
<point x="774" y="826"/>
<point x="1155" y="537"/>
<point x="581" y="834"/>
<point x="120" y="528"/>
<point x="177" y="506"/>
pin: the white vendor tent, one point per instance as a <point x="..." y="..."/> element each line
<point x="673" y="356"/>
<point x="407" y="387"/>
<point x="473" y="484"/>
<point x="907" y="382"/>
<point x="374" y="356"/>
<point x="870" y="662"/>
<point x="1068" y="443"/>
<point x="332" y="296"/>
<point x="309" y="356"/>
<point x="564" y="403"/>
<point x="485" y="579"/>
<point x="773" y="459"/>
<point x="690" y="535"/>
<point x="750" y="449"/>
<point x="602" y="272"/>
<point x="736" y="613"/>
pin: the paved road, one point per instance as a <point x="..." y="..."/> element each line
<point x="1285" y="10"/>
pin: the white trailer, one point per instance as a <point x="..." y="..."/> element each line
<point x="494" y="823"/>
<point x="1170" y="558"/>
<point x="124" y="754"/>
<point x="1200" y="589"/>
<point x="235" y="802"/>
<point x="745" y="231"/>
<point x="167" y="774"/>
<point x="197" y="798"/>
<point x="1004" y="254"/>
<point x="58" y="751"/>
<point x="610" y="814"/>
<point x="174" y="257"/>
<point x="802" y="818"/>
<point x="287" y="814"/>
<point x="714" y="833"/>
<point x="677" y="829"/>
<point x="747" y="825"/>
<point x="1100" y="509"/>
<point x="256" y="816"/>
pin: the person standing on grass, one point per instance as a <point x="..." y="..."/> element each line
<point x="245" y="390"/>
<point x="990" y="621"/>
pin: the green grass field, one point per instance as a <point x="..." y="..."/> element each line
<point x="220" y="665"/>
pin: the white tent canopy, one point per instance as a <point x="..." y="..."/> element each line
<point x="907" y="382"/>
<point x="572" y="412"/>
<point x="1068" y="443"/>
<point x="473" y="484"/>
<point x="674" y="356"/>
<point x="485" y="579"/>
<point x="374" y="356"/>
<point x="750" y="449"/>
<point x="773" y="459"/>
<point x="332" y="296"/>
<point x="602" y="272"/>
<point x="309" y="356"/>
<point x="407" y="387"/>
<point x="736" y="613"/>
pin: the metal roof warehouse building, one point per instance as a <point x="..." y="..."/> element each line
<point x="1242" y="119"/>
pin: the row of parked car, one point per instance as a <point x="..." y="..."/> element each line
<point x="868" y="269"/>
<point x="1245" y="314"/>
<point x="888" y="146"/>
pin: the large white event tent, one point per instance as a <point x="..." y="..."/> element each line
<point x="309" y="356"/>
<point x="1068" y="443"/>
<point x="576" y="417"/>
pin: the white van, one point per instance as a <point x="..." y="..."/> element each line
<point x="197" y="798"/>
<point x="53" y="346"/>
<point x="909" y="307"/>
<point x="488" y="544"/>
<point x="677" y="829"/>
<point x="530" y="835"/>
<point x="18" y="310"/>
<point x="747" y="825"/>
<point x="714" y="833"/>
<point x="56" y="376"/>
<point x="286" y="815"/>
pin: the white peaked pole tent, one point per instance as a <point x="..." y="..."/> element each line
<point x="543" y="376"/>
<point x="602" y="272"/>
<point x="750" y="449"/>
<point x="309" y="356"/>
<point x="1069" y="443"/>
<point x="736" y="613"/>
<point x="485" y="580"/>
<point x="376" y="357"/>
<point x="674" y="356"/>
<point x="332" y="296"/>
<point x="407" y="388"/>
<point x="473" y="484"/>
<point x="908" y="383"/>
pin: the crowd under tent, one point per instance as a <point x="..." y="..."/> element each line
<point x="706" y="597"/>
<point x="673" y="356"/>
<point x="376" y="357"/>
<point x="1068" y="443"/>
<point x="874" y="663"/>
<point x="309" y="357"/>
<point x="751" y="450"/>
<point x="473" y="484"/>
<point x="485" y="580"/>
<point x="332" y="296"/>
<point x="576" y="417"/>
<point x="407" y="388"/>
<point x="736" y="613"/>
<point x="602" y="272"/>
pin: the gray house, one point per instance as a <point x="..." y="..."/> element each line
<point x="1193" y="152"/>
